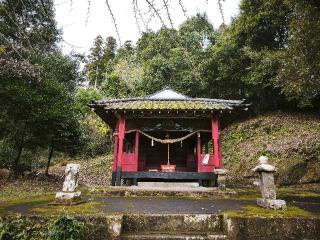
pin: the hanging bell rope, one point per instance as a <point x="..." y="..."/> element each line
<point x="166" y="140"/>
<point x="168" y="154"/>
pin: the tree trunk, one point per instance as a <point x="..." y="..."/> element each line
<point x="19" y="145"/>
<point x="15" y="165"/>
<point x="49" y="158"/>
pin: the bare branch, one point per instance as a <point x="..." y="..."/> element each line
<point x="151" y="5"/>
<point x="134" y="5"/>
<point x="71" y="5"/>
<point x="88" y="11"/>
<point x="221" y="10"/>
<point x="140" y="14"/>
<point x="114" y="21"/>
<point x="153" y="14"/>
<point x="165" y="3"/>
<point x="71" y="45"/>
<point x="184" y="10"/>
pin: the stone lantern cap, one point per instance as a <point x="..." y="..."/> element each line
<point x="264" y="166"/>
<point x="220" y="171"/>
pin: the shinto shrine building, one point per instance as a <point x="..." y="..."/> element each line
<point x="166" y="136"/>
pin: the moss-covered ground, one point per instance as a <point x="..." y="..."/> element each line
<point x="22" y="188"/>
<point x="256" y="211"/>
<point x="81" y="209"/>
<point x="305" y="191"/>
<point x="94" y="171"/>
<point x="291" y="141"/>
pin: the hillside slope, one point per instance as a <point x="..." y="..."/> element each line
<point x="291" y="141"/>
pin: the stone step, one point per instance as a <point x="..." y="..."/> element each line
<point x="168" y="185"/>
<point x="176" y="236"/>
<point x="188" y="223"/>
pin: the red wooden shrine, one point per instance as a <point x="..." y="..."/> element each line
<point x="166" y="135"/>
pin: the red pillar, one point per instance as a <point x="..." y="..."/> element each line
<point x="121" y="133"/>
<point x="199" y="151"/>
<point x="136" y="150"/>
<point x="217" y="160"/>
<point x="115" y="151"/>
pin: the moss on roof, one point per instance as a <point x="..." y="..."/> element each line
<point x="168" y="99"/>
<point x="163" y="105"/>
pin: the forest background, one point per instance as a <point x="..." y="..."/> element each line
<point x="269" y="55"/>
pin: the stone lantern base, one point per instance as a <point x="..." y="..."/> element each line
<point x="272" y="203"/>
<point x="68" y="198"/>
<point x="221" y="177"/>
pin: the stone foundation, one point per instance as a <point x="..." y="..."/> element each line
<point x="216" y="226"/>
<point x="67" y="197"/>
<point x="272" y="203"/>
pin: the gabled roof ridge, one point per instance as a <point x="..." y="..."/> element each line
<point x="167" y="91"/>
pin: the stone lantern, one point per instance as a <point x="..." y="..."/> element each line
<point x="267" y="185"/>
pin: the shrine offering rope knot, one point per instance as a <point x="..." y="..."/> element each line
<point x="164" y="141"/>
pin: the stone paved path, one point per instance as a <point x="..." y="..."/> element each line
<point x="170" y="205"/>
<point x="161" y="205"/>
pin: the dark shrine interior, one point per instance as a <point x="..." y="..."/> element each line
<point x="183" y="154"/>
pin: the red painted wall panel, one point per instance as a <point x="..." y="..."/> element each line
<point x="128" y="163"/>
<point x="206" y="167"/>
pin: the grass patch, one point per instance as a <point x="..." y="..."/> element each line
<point x="84" y="208"/>
<point x="296" y="191"/>
<point x="256" y="211"/>
<point x="26" y="188"/>
<point x="282" y="192"/>
<point x="247" y="194"/>
<point x="28" y="201"/>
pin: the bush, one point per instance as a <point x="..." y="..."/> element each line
<point x="4" y="231"/>
<point x="13" y="230"/>
<point x="66" y="228"/>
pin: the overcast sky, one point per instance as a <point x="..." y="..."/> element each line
<point x="81" y="26"/>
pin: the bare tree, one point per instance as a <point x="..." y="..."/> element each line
<point x="154" y="11"/>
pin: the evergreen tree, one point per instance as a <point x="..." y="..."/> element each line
<point x="299" y="75"/>
<point x="94" y="67"/>
<point x="28" y="28"/>
<point x="37" y="83"/>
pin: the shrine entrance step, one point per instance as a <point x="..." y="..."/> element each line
<point x="168" y="185"/>
<point x="173" y="227"/>
<point x="157" y="236"/>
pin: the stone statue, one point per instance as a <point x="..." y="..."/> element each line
<point x="71" y="180"/>
<point x="70" y="185"/>
<point x="267" y="186"/>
